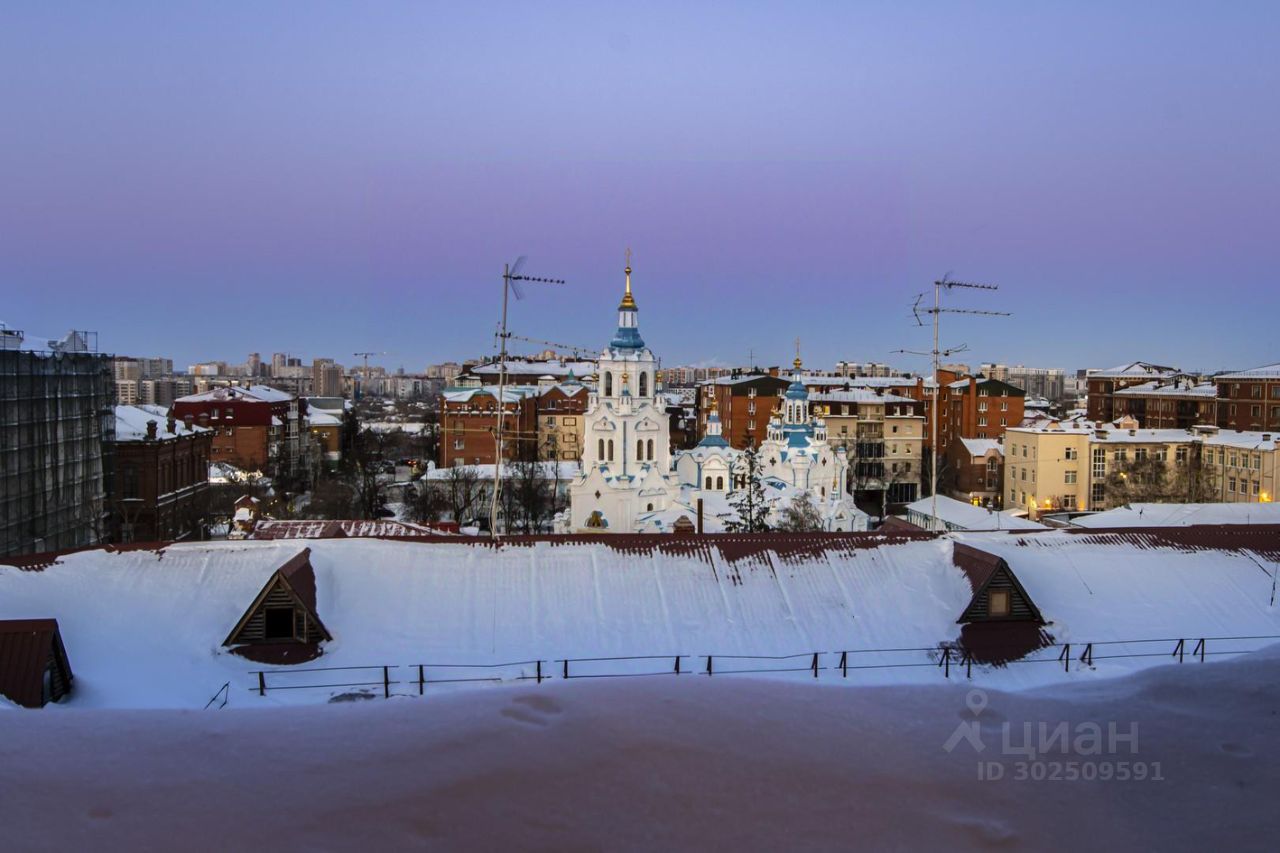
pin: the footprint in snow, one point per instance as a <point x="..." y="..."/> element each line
<point x="532" y="709"/>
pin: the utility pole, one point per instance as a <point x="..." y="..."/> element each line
<point x="511" y="278"/>
<point x="937" y="352"/>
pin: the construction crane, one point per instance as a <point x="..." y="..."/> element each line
<point x="576" y="352"/>
<point x="365" y="355"/>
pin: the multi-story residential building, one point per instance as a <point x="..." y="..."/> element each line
<point x="976" y="407"/>
<point x="1081" y="465"/>
<point x="867" y="368"/>
<point x="257" y="428"/>
<point x="976" y="467"/>
<point x="1103" y="384"/>
<point x="208" y="368"/>
<point x="1249" y="399"/>
<point x="687" y="377"/>
<point x="1240" y="466"/>
<point x="560" y="410"/>
<point x="1046" y="382"/>
<point x="1180" y="404"/>
<point x="744" y="404"/>
<point x="883" y="437"/>
<point x="56" y="438"/>
<point x="160" y="490"/>
<point x="469" y="425"/>
<point x="326" y="378"/>
<point x="446" y="371"/>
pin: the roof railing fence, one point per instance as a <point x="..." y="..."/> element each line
<point x="943" y="657"/>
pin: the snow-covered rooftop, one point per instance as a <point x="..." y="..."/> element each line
<point x="1266" y="371"/>
<point x="1165" y="389"/>
<point x="966" y="516"/>
<point x="538" y="369"/>
<point x="858" y="395"/>
<point x="510" y="393"/>
<point x="131" y="423"/>
<point x="144" y="628"/>
<point x="1135" y="369"/>
<point x="567" y="470"/>
<point x="982" y="446"/>
<point x="1181" y="515"/>
<point x="261" y="393"/>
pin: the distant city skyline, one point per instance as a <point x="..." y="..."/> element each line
<point x="203" y="183"/>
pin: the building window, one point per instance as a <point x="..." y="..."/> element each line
<point x="608" y="384"/>
<point x="611" y="450"/>
<point x="1070" y="453"/>
<point x="1180" y="454"/>
<point x="708" y="482"/>
<point x="1231" y="485"/>
<point x="720" y="484"/>
<point x="651" y="450"/>
<point x="600" y="449"/>
<point x="998" y="602"/>
<point x="644" y="383"/>
<point x="1069" y="477"/>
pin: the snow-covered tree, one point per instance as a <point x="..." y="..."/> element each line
<point x="748" y="498"/>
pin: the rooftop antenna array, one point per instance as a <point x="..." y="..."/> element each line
<point x="945" y="283"/>
<point x="512" y="278"/>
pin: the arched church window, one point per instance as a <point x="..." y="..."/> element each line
<point x="648" y="507"/>
<point x="708" y="483"/>
<point x="644" y="384"/>
<point x="719" y="484"/>
<point x="611" y="450"/>
<point x="639" y="449"/>
<point x="608" y="384"/>
<point x="651" y="450"/>
<point x="600" y="452"/>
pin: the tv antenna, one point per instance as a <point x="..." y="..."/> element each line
<point x="512" y="276"/>
<point x="945" y="283"/>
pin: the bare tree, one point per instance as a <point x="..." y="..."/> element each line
<point x="461" y="492"/>
<point x="801" y="515"/>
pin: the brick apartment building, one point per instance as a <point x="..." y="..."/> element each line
<point x="744" y="403"/>
<point x="257" y="428"/>
<point x="1249" y="399"/>
<point x="1180" y="404"/>
<point x="976" y="471"/>
<point x="161" y="487"/>
<point x="469" y="423"/>
<point x="560" y="411"/>
<point x="1103" y="385"/>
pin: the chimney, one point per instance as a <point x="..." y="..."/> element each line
<point x="151" y="430"/>
<point x="172" y="424"/>
<point x="188" y="419"/>
<point x="204" y="419"/>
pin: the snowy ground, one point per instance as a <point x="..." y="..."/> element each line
<point x="658" y="764"/>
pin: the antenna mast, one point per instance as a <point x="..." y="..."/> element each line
<point x="511" y="278"/>
<point x="937" y="352"/>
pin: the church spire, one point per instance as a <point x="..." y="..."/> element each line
<point x="628" y="301"/>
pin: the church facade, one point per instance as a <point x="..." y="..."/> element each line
<point x="626" y="454"/>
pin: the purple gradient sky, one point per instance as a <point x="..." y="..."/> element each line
<point x="326" y="178"/>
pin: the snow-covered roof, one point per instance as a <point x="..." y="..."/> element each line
<point x="858" y="395"/>
<point x="1113" y="434"/>
<point x="131" y="423"/>
<point x="1134" y="369"/>
<point x="319" y="417"/>
<point x="982" y="446"/>
<point x="1243" y="440"/>
<point x="537" y="369"/>
<point x="1181" y="515"/>
<point x="510" y="393"/>
<point x="260" y="393"/>
<point x="965" y="516"/>
<point x="1165" y="389"/>
<point x="738" y="380"/>
<point x="126" y="615"/>
<point x="1266" y="371"/>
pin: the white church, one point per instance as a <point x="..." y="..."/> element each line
<point x="631" y="484"/>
